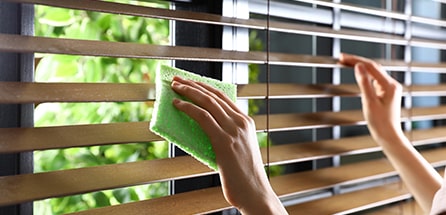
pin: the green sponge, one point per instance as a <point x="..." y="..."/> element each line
<point x="177" y="127"/>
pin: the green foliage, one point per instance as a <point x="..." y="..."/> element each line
<point x="256" y="44"/>
<point x="63" y="23"/>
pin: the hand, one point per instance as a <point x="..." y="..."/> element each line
<point x="381" y="104"/>
<point x="381" y="97"/>
<point x="233" y="137"/>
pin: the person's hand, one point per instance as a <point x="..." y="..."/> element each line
<point x="381" y="104"/>
<point x="233" y="137"/>
<point x="381" y="97"/>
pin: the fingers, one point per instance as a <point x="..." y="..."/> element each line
<point x="375" y="70"/>
<point x="206" y="121"/>
<point x="207" y="99"/>
<point x="227" y="101"/>
<point x="224" y="101"/>
<point x="364" y="82"/>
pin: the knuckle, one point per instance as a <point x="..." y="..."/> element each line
<point x="376" y="64"/>
<point x="396" y="86"/>
<point x="219" y="93"/>
<point x="245" y="122"/>
<point x="203" y="116"/>
<point x="209" y="100"/>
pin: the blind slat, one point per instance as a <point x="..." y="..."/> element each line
<point x="18" y="43"/>
<point x="426" y="90"/>
<point x="149" y="12"/>
<point x="297" y="121"/>
<point x="377" y="12"/>
<point x="284" y="91"/>
<point x="25" y="92"/>
<point x="404" y="207"/>
<point x="25" y="139"/>
<point x="353" y="202"/>
<point x="201" y="201"/>
<point x="27" y="187"/>
<point x="26" y="44"/>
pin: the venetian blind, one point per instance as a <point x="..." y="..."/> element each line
<point x="318" y="154"/>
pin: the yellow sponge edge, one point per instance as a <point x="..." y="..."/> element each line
<point x="177" y="127"/>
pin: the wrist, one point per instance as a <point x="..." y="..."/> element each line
<point x="387" y="136"/>
<point x="393" y="139"/>
<point x="267" y="203"/>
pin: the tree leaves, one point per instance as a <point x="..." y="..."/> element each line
<point x="76" y="24"/>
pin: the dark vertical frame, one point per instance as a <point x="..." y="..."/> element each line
<point x="16" y="19"/>
<point x="197" y="35"/>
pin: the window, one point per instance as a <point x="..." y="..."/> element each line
<point x="317" y="150"/>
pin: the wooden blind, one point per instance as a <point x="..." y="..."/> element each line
<point x="319" y="154"/>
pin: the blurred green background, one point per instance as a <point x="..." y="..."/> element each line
<point x="64" y="23"/>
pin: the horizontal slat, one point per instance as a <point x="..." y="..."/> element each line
<point x="298" y="152"/>
<point x="148" y="12"/>
<point x="16" y="43"/>
<point x="427" y="136"/>
<point x="409" y="207"/>
<point x="202" y="201"/>
<point x="297" y="121"/>
<point x="285" y="91"/>
<point x="248" y="23"/>
<point x="377" y="12"/>
<point x="26" y="139"/>
<point x="398" y="65"/>
<point x="283" y="185"/>
<point x="353" y="202"/>
<point x="25" y="92"/>
<point x="28" y="187"/>
<point x="25" y="44"/>
<point x="424" y="113"/>
<point x="426" y="90"/>
<point x="354" y="35"/>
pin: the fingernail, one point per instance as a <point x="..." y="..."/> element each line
<point x="177" y="78"/>
<point x="341" y="57"/>
<point x="175" y="84"/>
<point x="176" y="101"/>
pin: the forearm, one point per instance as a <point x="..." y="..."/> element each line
<point x="418" y="175"/>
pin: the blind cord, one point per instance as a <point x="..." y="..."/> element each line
<point x="268" y="142"/>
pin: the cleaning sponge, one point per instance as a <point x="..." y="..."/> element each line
<point x="177" y="127"/>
